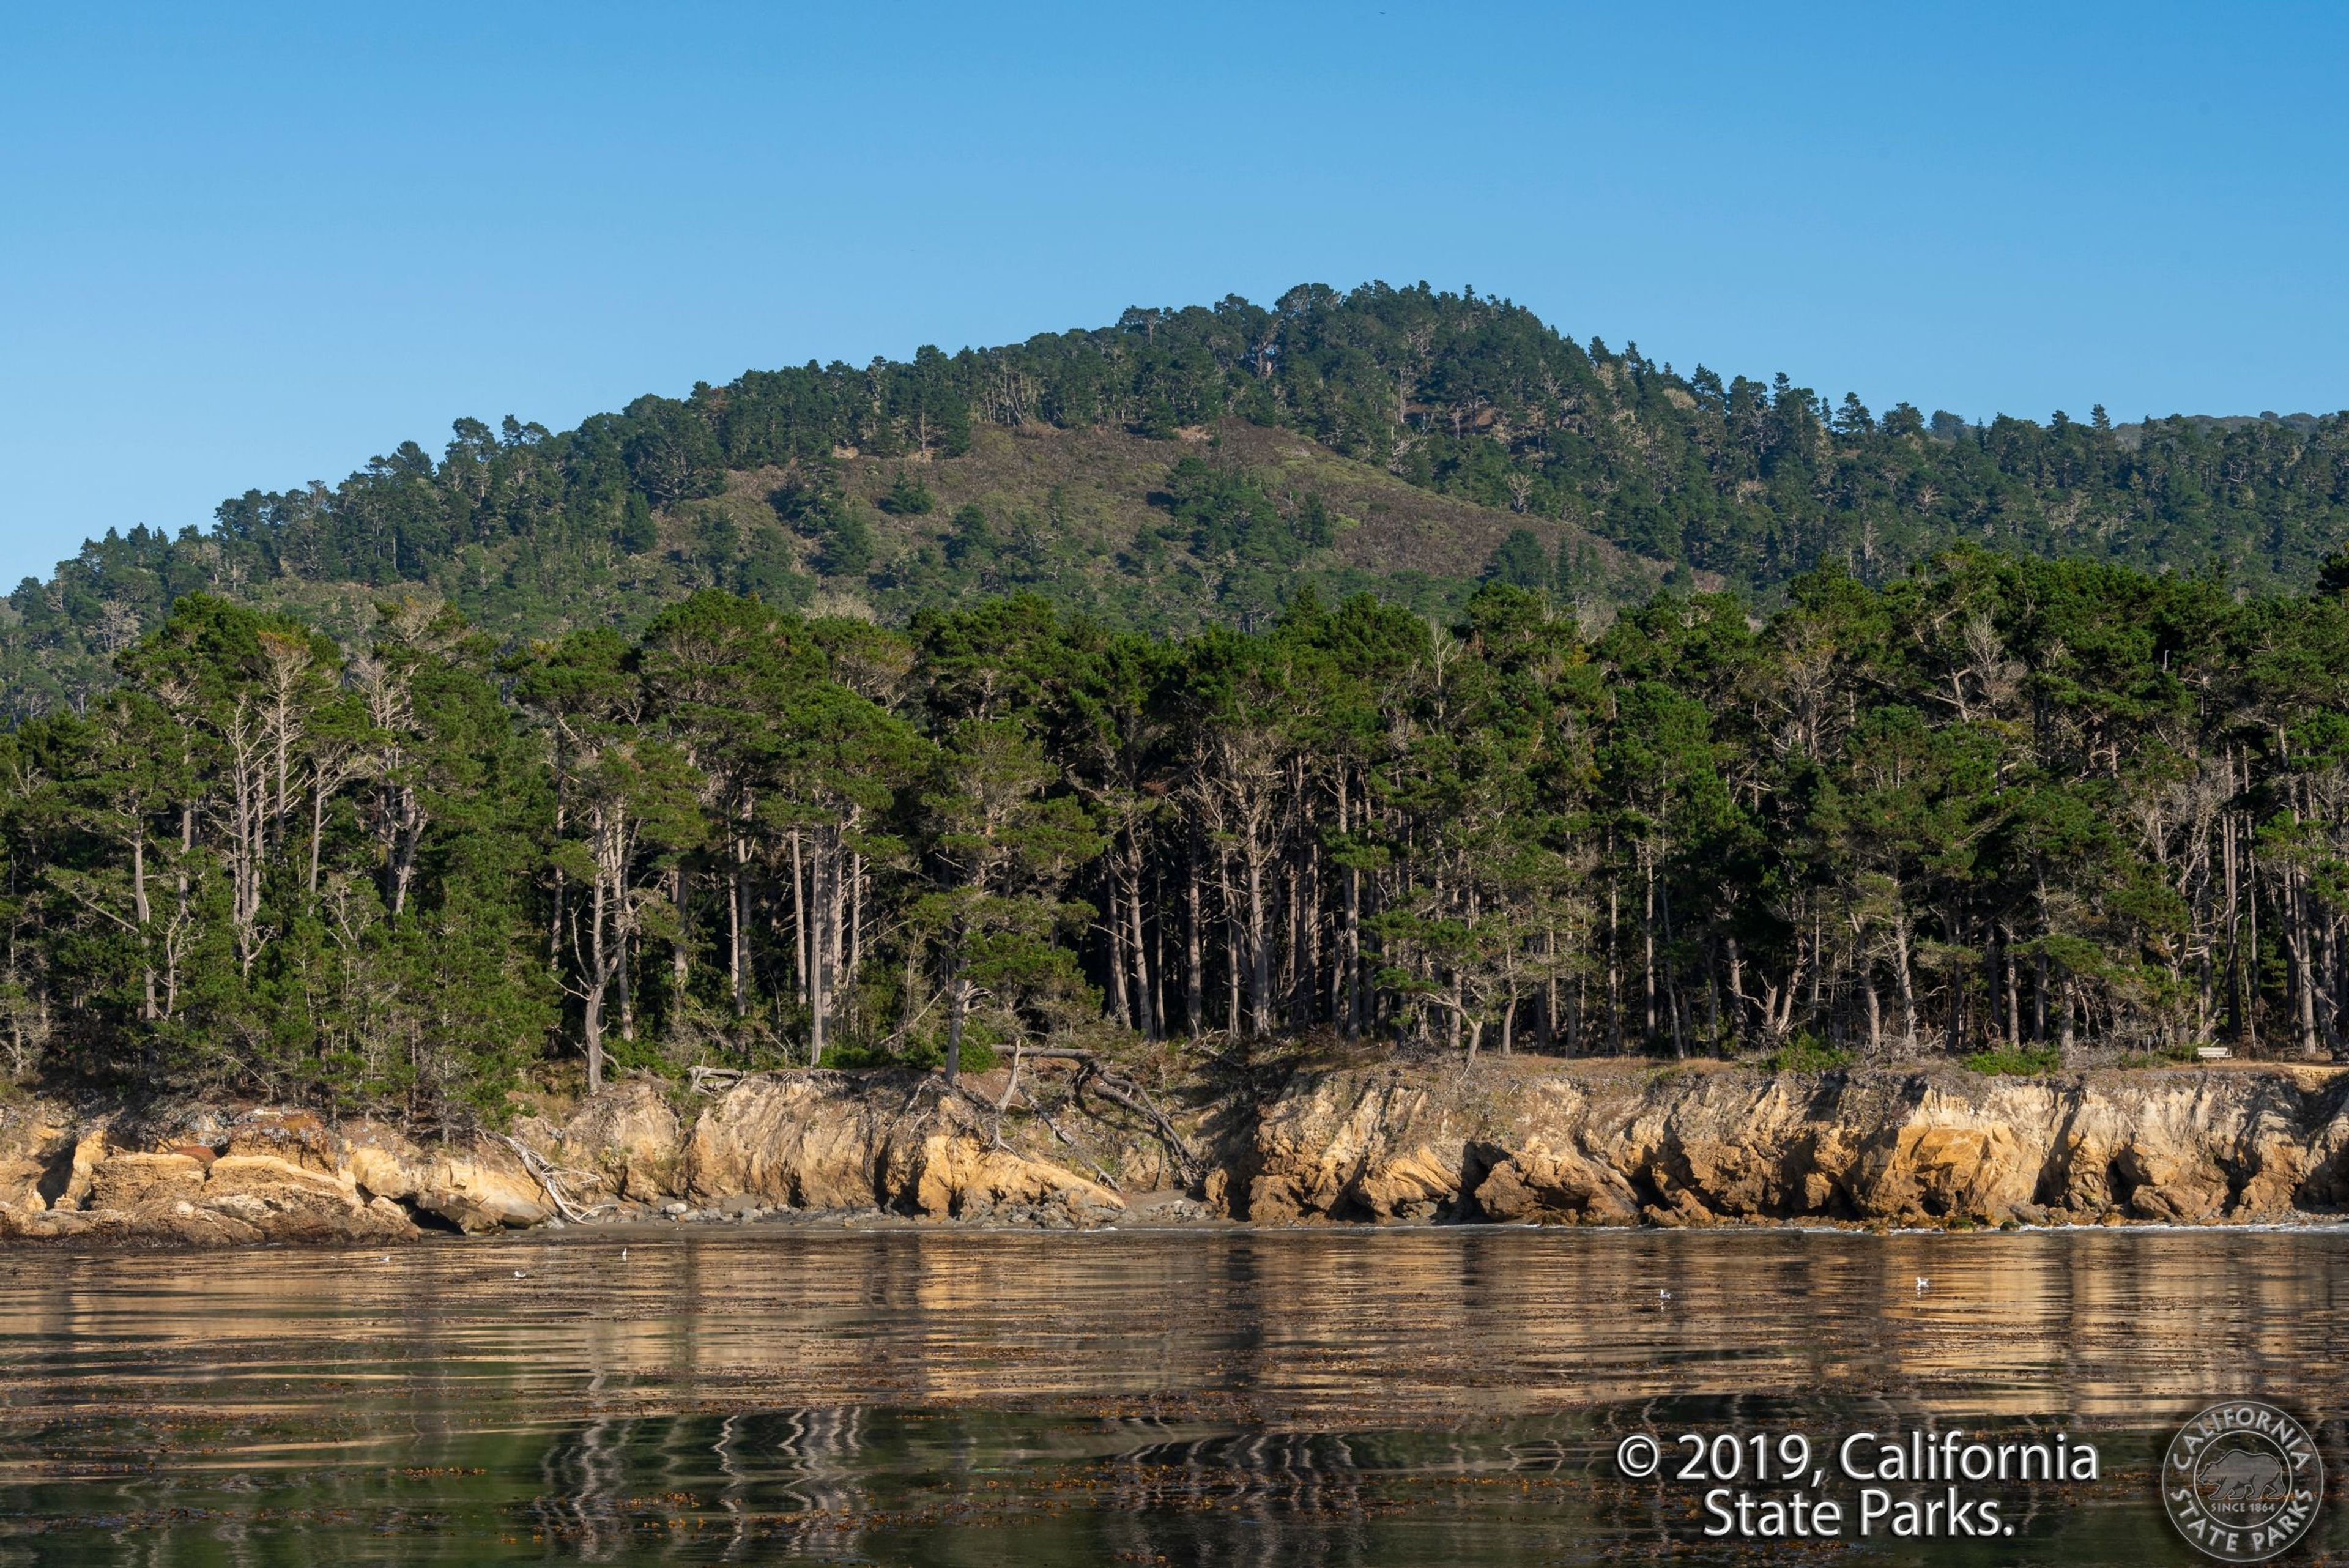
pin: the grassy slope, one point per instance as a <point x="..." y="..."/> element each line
<point x="1092" y="489"/>
<point x="1089" y="490"/>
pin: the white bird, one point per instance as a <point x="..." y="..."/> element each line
<point x="1924" y="1285"/>
<point x="1663" y="1295"/>
<point x="520" y="1275"/>
<point x="623" y="1254"/>
<point x="387" y="1257"/>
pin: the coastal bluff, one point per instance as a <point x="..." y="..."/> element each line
<point x="1527" y="1140"/>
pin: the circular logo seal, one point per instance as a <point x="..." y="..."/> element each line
<point x="2241" y="1481"/>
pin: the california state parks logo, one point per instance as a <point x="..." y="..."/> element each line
<point x="2241" y="1481"/>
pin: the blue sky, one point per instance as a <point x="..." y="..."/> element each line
<point x="257" y="247"/>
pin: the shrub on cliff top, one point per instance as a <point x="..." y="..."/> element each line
<point x="2028" y="1063"/>
<point x="1805" y="1052"/>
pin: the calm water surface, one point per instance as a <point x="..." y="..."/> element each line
<point x="923" y="1396"/>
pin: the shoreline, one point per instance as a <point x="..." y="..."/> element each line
<point x="831" y="1223"/>
<point x="1516" y="1141"/>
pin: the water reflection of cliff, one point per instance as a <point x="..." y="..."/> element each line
<point x="1302" y="1329"/>
<point x="798" y="1393"/>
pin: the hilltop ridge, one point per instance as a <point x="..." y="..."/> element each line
<point x="1403" y="440"/>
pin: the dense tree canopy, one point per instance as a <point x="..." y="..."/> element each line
<point x="2044" y="808"/>
<point x="520" y="527"/>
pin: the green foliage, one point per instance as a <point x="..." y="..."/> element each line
<point x="855" y="1055"/>
<point x="1248" y="540"/>
<point x="528" y="531"/>
<point x="972" y="545"/>
<point x="1998" y="808"/>
<point x="1521" y="562"/>
<point x="845" y="547"/>
<point x="638" y="531"/>
<point x="1803" y="1052"/>
<point x="2180" y="1054"/>
<point x="288" y="873"/>
<point x="2016" y="1062"/>
<point x="908" y="497"/>
<point x="1312" y="522"/>
<point x="924" y="1054"/>
<point x="814" y="506"/>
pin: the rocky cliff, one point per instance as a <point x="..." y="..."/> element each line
<point x="1519" y="1141"/>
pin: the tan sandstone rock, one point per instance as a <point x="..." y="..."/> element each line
<point x="1555" y="1187"/>
<point x="290" y="1202"/>
<point x="955" y="1175"/>
<point x="807" y="1141"/>
<point x="1566" y="1143"/>
<point x="826" y="1140"/>
<point x="629" y="1141"/>
<point x="295" y="1137"/>
<point x="482" y="1189"/>
<point x="129" y="1180"/>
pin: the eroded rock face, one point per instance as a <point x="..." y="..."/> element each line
<point x="954" y="1174"/>
<point x="36" y="1142"/>
<point x="483" y="1189"/>
<point x="807" y="1140"/>
<point x="267" y="1175"/>
<point x="826" y="1140"/>
<point x="128" y="1180"/>
<point x="1528" y="1142"/>
<point x="628" y="1140"/>
<point x="1594" y="1147"/>
<point x="475" y="1187"/>
<point x="1547" y="1186"/>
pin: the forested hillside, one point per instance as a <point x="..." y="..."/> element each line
<point x="2049" y="810"/>
<point x="1185" y="468"/>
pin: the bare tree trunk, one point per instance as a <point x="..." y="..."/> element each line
<point x="1231" y="947"/>
<point x="2014" y="990"/>
<point x="1740" y="1003"/>
<point x="802" y="936"/>
<point x="317" y="829"/>
<point x="1145" y="1013"/>
<point x="561" y="888"/>
<point x="1299" y="988"/>
<point x="2039" y="1000"/>
<point x="138" y="908"/>
<point x="855" y="959"/>
<point x="957" y="999"/>
<point x="1349" y="956"/>
<point x="2238" y="1016"/>
<point x="1614" y="963"/>
<point x="599" y="977"/>
<point x="734" y="959"/>
<point x="823" y="874"/>
<point x="1259" y="943"/>
<point x="1195" y="985"/>
<point x="1648" y="956"/>
<point x="1908" y="991"/>
<point x="1674" y="1002"/>
<point x="623" y="952"/>
<point x="2298" y="942"/>
<point x="1113" y="929"/>
<point x="406" y="836"/>
<point x="680" y="961"/>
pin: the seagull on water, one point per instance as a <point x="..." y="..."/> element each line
<point x="1924" y="1285"/>
<point x="520" y="1275"/>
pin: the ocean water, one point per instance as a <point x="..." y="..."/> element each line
<point x="932" y="1397"/>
